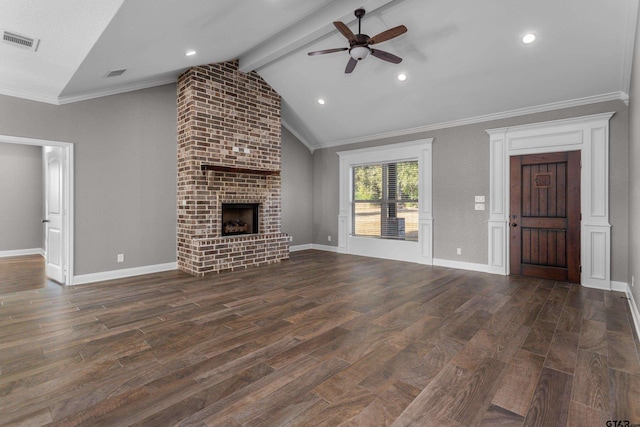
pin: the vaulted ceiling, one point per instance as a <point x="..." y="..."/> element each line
<point x="464" y="59"/>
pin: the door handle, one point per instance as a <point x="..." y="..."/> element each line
<point x="45" y="220"/>
<point x="513" y="224"/>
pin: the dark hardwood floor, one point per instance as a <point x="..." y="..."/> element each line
<point x="23" y="273"/>
<point x="319" y="340"/>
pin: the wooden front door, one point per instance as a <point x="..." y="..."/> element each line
<point x="545" y="216"/>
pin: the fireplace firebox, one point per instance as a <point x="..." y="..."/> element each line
<point x="239" y="218"/>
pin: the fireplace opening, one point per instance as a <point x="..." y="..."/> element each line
<point x="239" y="218"/>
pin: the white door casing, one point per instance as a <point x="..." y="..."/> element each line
<point x="420" y="252"/>
<point x="54" y="213"/>
<point x="590" y="135"/>
<point x="67" y="156"/>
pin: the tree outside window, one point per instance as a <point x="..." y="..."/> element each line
<point x="385" y="201"/>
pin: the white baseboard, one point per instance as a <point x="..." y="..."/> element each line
<point x="482" y="268"/>
<point x="120" y="274"/>
<point x="619" y="286"/>
<point x="313" y="246"/>
<point x="635" y="314"/>
<point x="325" y="248"/>
<point x="22" y="252"/>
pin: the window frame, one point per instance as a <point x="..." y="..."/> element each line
<point x="420" y="150"/>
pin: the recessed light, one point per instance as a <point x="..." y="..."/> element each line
<point x="402" y="77"/>
<point x="190" y="53"/>
<point x="528" y="38"/>
<point x="321" y="101"/>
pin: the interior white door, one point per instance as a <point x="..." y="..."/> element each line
<point x="55" y="212"/>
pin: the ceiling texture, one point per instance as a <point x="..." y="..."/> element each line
<point x="464" y="59"/>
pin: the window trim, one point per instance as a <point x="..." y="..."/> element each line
<point x="420" y="150"/>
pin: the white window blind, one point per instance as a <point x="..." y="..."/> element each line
<point x="385" y="201"/>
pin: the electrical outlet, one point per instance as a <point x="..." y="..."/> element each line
<point x="479" y="199"/>
<point x="120" y="257"/>
<point x="459" y="251"/>
<point x="328" y="238"/>
<point x="247" y="151"/>
<point x="236" y="149"/>
<point x="479" y="206"/>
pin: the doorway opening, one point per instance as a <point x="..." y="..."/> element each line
<point x="590" y="136"/>
<point x="58" y="220"/>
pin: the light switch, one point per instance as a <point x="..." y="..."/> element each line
<point x="236" y="150"/>
<point x="479" y="199"/>
<point x="479" y="206"/>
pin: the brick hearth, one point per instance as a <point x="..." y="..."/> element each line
<point x="231" y="120"/>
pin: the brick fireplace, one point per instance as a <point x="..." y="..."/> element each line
<point x="228" y="153"/>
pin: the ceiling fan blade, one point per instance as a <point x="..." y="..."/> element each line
<point x="350" y="65"/>
<point x="345" y="31"/>
<point x="388" y="35"/>
<point x="386" y="56"/>
<point x="322" y="52"/>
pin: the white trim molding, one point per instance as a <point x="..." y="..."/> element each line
<point x="69" y="203"/>
<point x="420" y="252"/>
<point x="125" y="272"/>
<point x="459" y="265"/>
<point x="635" y="313"/>
<point x="22" y="252"/>
<point x="325" y="248"/>
<point x="605" y="97"/>
<point x="589" y="135"/>
<point x="298" y="248"/>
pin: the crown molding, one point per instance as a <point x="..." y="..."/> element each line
<point x="295" y="133"/>
<point x="613" y="96"/>
<point x="61" y="100"/>
<point x="30" y="96"/>
<point x="115" y="90"/>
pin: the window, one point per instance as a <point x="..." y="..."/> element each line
<point x="385" y="201"/>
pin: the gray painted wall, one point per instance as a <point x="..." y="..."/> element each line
<point x="461" y="171"/>
<point x="125" y="172"/>
<point x="21" y="197"/>
<point x="634" y="172"/>
<point x="297" y="189"/>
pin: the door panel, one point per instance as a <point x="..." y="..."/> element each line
<point x="545" y="216"/>
<point x="54" y="230"/>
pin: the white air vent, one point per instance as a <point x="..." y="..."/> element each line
<point x="20" y="40"/>
<point x="115" y="73"/>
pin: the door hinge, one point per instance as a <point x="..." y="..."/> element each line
<point x="580" y="268"/>
<point x="580" y="216"/>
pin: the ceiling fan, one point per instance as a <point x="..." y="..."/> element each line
<point x="359" y="43"/>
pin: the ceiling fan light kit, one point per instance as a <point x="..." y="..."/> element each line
<point x="359" y="52"/>
<point x="359" y="43"/>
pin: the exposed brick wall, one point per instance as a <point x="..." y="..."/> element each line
<point x="219" y="109"/>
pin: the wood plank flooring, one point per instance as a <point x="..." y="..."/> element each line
<point x="320" y="340"/>
<point x="23" y="273"/>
